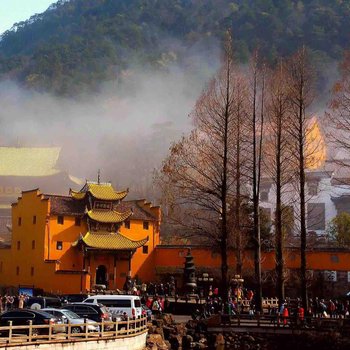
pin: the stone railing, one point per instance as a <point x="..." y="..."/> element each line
<point x="32" y="333"/>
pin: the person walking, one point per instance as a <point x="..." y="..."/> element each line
<point x="331" y="309"/>
<point x="21" y="301"/>
<point x="156" y="308"/>
<point x="301" y="314"/>
<point x="285" y="315"/>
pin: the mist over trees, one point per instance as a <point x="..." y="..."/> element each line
<point x="75" y="45"/>
<point x="250" y="121"/>
<point x="249" y="125"/>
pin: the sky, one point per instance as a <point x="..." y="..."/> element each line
<point x="12" y="11"/>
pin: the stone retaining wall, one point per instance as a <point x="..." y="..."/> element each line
<point x="137" y="342"/>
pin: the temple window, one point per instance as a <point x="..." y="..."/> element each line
<point x="18" y="245"/>
<point x="19" y="221"/>
<point x="266" y="212"/>
<point x="33" y="244"/>
<point x="127" y="224"/>
<point x="77" y="221"/>
<point x="34" y="219"/>
<point x="145" y="225"/>
<point x="17" y="270"/>
<point x="334" y="258"/>
<point x="316" y="216"/>
<point x="32" y="271"/>
<point x="264" y="196"/>
<point x="60" y="220"/>
<point x="102" y="205"/>
<point x="145" y="249"/>
<point x="312" y="188"/>
<point x="288" y="219"/>
<point x="59" y="245"/>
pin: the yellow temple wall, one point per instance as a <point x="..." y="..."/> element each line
<point x="67" y="233"/>
<point x="142" y="263"/>
<point x="121" y="270"/>
<point x="37" y="261"/>
<point x="24" y="263"/>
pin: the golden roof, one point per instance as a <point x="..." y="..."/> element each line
<point x="316" y="148"/>
<point x="110" y="241"/>
<point x="108" y="216"/>
<point x="103" y="191"/>
<point x="77" y="195"/>
<point x="28" y="161"/>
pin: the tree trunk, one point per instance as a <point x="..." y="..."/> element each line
<point x="256" y="229"/>
<point x="302" y="208"/>
<point x="238" y="232"/>
<point x="278" y="217"/>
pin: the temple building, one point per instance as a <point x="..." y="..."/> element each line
<point x="23" y="168"/>
<point x="327" y="186"/>
<point x="70" y="244"/>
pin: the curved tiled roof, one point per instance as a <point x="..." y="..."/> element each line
<point x="108" y="216"/>
<point x="109" y="241"/>
<point x="103" y="191"/>
<point x="77" y="195"/>
<point x="65" y="205"/>
<point x="138" y="212"/>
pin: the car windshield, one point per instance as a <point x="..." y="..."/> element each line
<point x="104" y="309"/>
<point x="70" y="314"/>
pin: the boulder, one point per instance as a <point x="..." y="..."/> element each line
<point x="220" y="342"/>
<point x="187" y="340"/>
<point x="167" y="331"/>
<point x="156" y="339"/>
<point x="175" y="341"/>
<point x="168" y="319"/>
<point x="159" y="331"/>
<point x="180" y="329"/>
<point x="248" y="338"/>
<point x="152" y="329"/>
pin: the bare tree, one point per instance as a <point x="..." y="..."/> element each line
<point x="278" y="160"/>
<point x="300" y="83"/>
<point x="200" y="168"/>
<point x="257" y="131"/>
<point x="339" y="116"/>
<point x="241" y="155"/>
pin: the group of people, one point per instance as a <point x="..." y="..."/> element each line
<point x="9" y="302"/>
<point x="164" y="289"/>
<point x="320" y="308"/>
<point x="157" y="304"/>
<point x="329" y="308"/>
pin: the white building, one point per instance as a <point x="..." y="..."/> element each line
<point x="327" y="188"/>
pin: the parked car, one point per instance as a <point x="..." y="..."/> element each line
<point x="22" y="317"/>
<point x="73" y="298"/>
<point x="68" y="316"/>
<point x="37" y="303"/>
<point x="95" y="312"/>
<point x="118" y="305"/>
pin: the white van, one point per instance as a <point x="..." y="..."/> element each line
<point x="118" y="304"/>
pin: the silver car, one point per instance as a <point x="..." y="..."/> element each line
<point x="72" y="318"/>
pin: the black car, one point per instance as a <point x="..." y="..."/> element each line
<point x="96" y="312"/>
<point x="38" y="303"/>
<point x="22" y="317"/>
<point x="73" y="298"/>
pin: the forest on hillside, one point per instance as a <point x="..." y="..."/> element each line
<point x="76" y="44"/>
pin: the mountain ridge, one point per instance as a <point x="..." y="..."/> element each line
<point x="76" y="44"/>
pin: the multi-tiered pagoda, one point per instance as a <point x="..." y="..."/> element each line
<point x="103" y="239"/>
